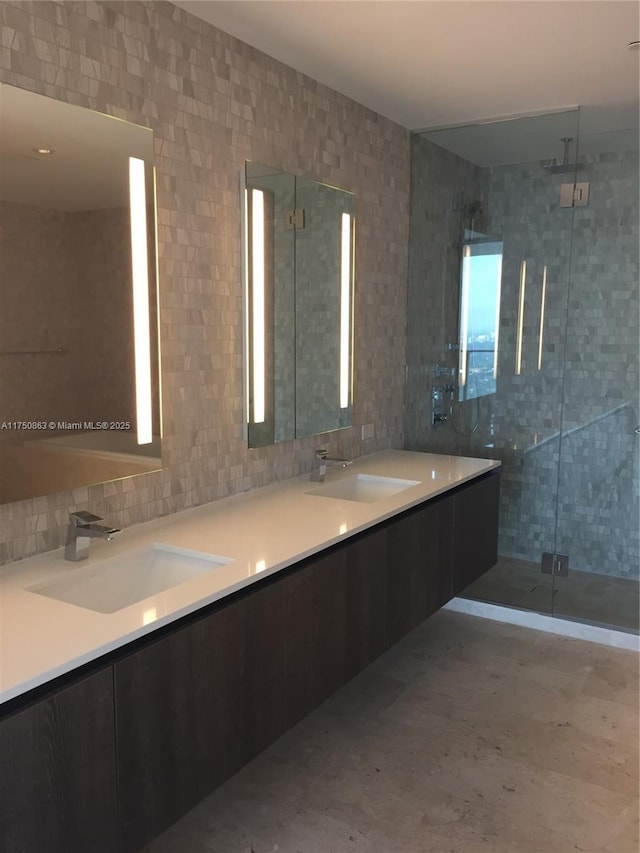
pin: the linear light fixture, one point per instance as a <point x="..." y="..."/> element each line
<point x="523" y="284"/>
<point x="246" y="314"/>
<point x="140" y="279"/>
<point x="497" y="322"/>
<point x="257" y="302"/>
<point x="464" y="316"/>
<point x="345" y="308"/>
<point x="543" y="300"/>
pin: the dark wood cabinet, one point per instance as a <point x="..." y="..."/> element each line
<point x="438" y="529"/>
<point x="366" y="596"/>
<point x="195" y="706"/>
<point x="106" y="763"/>
<point x="407" y="576"/>
<point x="474" y="541"/>
<point x="58" y="772"/>
<point x="419" y="566"/>
<point x="314" y="633"/>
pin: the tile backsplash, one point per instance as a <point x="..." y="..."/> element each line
<point x="214" y="102"/>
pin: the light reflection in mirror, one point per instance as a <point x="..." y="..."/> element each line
<point x="258" y="312"/>
<point x="140" y="279"/>
<point x="521" y="298"/>
<point x="345" y="309"/>
<point x="543" y="300"/>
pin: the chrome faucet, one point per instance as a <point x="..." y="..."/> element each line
<point x="320" y="463"/>
<point x="83" y="527"/>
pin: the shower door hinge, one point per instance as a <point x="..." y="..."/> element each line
<point x="555" y="564"/>
<point x="295" y="218"/>
<point x="574" y="195"/>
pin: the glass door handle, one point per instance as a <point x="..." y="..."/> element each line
<point x="637" y="430"/>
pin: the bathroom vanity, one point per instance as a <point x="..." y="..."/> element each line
<point x="109" y="737"/>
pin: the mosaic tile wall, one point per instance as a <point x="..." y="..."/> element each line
<point x="599" y="510"/>
<point x="587" y="386"/>
<point x="214" y="102"/>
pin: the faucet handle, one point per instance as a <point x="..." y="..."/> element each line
<point x="82" y="518"/>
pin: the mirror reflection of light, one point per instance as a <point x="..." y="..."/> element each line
<point x="261" y="565"/>
<point x="246" y="285"/>
<point x="523" y="284"/>
<point x="345" y="308"/>
<point x="543" y="299"/>
<point x="343" y="529"/>
<point x="464" y="320"/>
<point x="149" y="616"/>
<point x="258" y="326"/>
<point x="140" y="278"/>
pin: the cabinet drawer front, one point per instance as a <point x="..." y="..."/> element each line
<point x="58" y="779"/>
<point x="475" y="540"/>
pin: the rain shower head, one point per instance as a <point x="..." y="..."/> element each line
<point x="565" y="167"/>
<point x="472" y="209"/>
<point x="472" y="222"/>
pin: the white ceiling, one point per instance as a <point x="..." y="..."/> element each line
<point x="431" y="63"/>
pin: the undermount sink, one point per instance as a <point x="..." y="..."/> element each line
<point x="366" y="488"/>
<point x="115" y="583"/>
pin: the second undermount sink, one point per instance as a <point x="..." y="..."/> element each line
<point x="115" y="583"/>
<point x="366" y="488"/>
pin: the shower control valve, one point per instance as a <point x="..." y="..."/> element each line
<point x="440" y="370"/>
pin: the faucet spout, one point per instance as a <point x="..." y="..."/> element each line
<point x="320" y="463"/>
<point x="83" y="527"/>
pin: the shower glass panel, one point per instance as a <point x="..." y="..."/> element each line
<point x="598" y="512"/>
<point x="564" y="409"/>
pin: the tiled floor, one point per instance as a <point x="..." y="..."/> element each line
<point x="470" y="736"/>
<point x="585" y="596"/>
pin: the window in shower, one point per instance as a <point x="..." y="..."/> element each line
<point x="480" y="281"/>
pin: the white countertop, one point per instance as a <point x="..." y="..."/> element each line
<point x="262" y="531"/>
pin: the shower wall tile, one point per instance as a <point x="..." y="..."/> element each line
<point x="214" y="102"/>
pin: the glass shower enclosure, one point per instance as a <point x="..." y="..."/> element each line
<point x="523" y="345"/>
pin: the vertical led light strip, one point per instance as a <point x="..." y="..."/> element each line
<point x="140" y="278"/>
<point x="257" y="302"/>
<point x="523" y="284"/>
<point x="542" y="308"/>
<point x="345" y="308"/>
<point x="464" y="315"/>
<point x="247" y="278"/>
<point x="497" y="322"/>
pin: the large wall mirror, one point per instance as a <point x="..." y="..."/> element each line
<point x="79" y="350"/>
<point x="299" y="262"/>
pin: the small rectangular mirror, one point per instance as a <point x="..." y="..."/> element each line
<point x="79" y="351"/>
<point x="299" y="263"/>
<point x="480" y="283"/>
